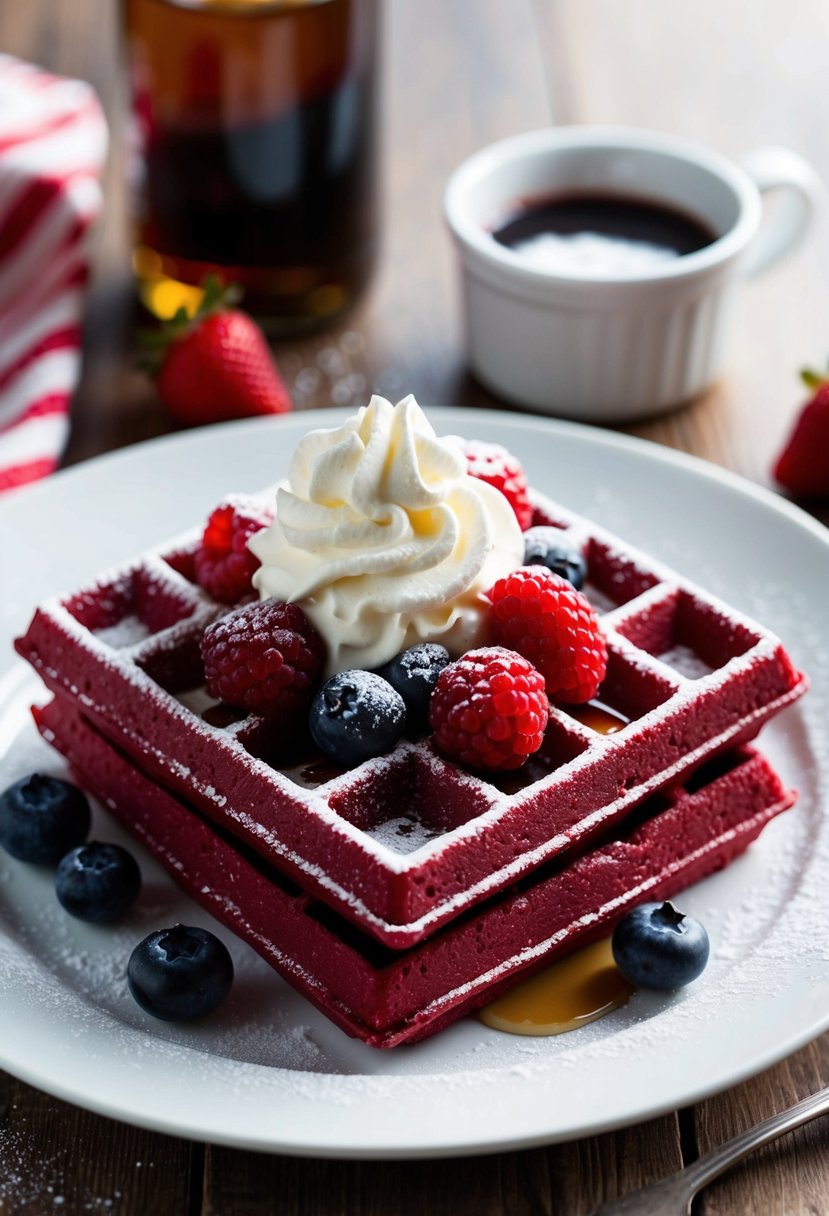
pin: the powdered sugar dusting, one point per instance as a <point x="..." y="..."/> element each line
<point x="403" y="834"/>
<point x="685" y="661"/>
<point x="35" y="1179"/>
<point x="129" y="631"/>
<point x="761" y="913"/>
<point x="266" y="1025"/>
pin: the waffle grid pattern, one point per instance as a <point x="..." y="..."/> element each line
<point x="688" y="674"/>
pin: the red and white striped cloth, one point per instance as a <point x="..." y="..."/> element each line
<point x="53" y="140"/>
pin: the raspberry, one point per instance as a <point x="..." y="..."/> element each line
<point x="546" y="620"/>
<point x="496" y="466"/>
<point x="224" y="564"/>
<point x="489" y="709"/>
<point x="264" y="658"/>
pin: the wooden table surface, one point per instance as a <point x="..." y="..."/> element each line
<point x="458" y="74"/>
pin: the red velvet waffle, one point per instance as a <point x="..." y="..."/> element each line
<point x="402" y="844"/>
<point x="386" y="997"/>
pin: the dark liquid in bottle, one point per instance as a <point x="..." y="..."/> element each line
<point x="256" y="126"/>
<point x="626" y="234"/>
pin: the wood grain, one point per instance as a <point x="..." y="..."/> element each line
<point x="458" y="74"/>
<point x="562" y="1180"/>
<point x="789" y="1177"/>
<point x="58" y="1158"/>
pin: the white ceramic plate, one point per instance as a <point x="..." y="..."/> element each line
<point x="267" y="1071"/>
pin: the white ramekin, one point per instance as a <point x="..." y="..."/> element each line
<point x="603" y="349"/>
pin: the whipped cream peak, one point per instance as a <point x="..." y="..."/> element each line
<point x="383" y="538"/>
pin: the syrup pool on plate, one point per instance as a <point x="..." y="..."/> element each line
<point x="581" y="988"/>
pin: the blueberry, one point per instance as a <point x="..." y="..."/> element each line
<point x="657" y="946"/>
<point x="98" y="882"/>
<point x="356" y="715"/>
<point x="180" y="974"/>
<point x="42" y="818"/>
<point x="544" y="547"/>
<point x="414" y="673"/>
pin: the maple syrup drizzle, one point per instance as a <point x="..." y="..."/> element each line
<point x="570" y="993"/>
<point x="313" y="771"/>
<point x="595" y="715"/>
<point x="222" y="715"/>
<point x="582" y="987"/>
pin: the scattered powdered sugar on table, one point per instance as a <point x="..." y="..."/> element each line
<point x="31" y="1177"/>
<point x="26" y="1168"/>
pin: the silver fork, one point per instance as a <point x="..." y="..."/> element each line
<point x="673" y="1196"/>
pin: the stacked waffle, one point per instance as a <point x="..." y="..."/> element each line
<point x="401" y="894"/>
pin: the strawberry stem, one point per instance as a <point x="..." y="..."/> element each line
<point x="217" y="297"/>
<point x="813" y="379"/>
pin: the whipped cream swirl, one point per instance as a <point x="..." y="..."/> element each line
<point x="384" y="540"/>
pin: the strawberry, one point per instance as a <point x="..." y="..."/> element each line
<point x="802" y="467"/>
<point x="215" y="365"/>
